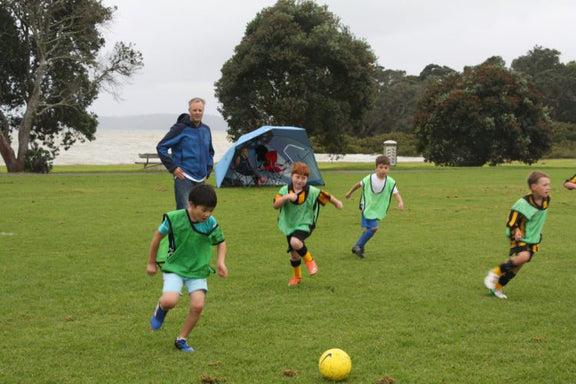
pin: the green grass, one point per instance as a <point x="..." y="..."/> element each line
<point x="76" y="300"/>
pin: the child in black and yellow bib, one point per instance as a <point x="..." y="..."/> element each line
<point x="524" y="229"/>
<point x="299" y="205"/>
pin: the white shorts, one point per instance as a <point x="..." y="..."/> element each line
<point x="174" y="283"/>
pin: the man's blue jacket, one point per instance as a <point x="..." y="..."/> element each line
<point x="191" y="148"/>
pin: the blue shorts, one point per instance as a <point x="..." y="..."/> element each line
<point x="369" y="223"/>
<point x="174" y="283"/>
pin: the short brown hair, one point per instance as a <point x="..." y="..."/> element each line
<point x="300" y="168"/>
<point x="535" y="176"/>
<point x="382" y="159"/>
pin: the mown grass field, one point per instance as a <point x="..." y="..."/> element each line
<point x="76" y="301"/>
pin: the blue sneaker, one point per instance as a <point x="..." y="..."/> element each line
<point x="182" y="345"/>
<point x="157" y="317"/>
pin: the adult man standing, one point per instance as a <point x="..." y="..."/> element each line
<point x="192" y="158"/>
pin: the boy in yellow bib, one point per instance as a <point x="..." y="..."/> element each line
<point x="299" y="205"/>
<point x="377" y="191"/>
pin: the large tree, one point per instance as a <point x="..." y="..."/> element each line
<point x="556" y="81"/>
<point x="485" y="115"/>
<point x="395" y="102"/>
<point x="397" y="97"/>
<point x="50" y="73"/>
<point x="297" y="65"/>
<point x="537" y="61"/>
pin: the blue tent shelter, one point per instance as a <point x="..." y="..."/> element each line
<point x="271" y="150"/>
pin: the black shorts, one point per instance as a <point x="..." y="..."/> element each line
<point x="519" y="246"/>
<point x="300" y="235"/>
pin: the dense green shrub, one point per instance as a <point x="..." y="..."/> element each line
<point x="563" y="141"/>
<point x="38" y="159"/>
<point x="375" y="144"/>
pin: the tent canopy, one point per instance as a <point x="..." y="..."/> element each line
<point x="290" y="145"/>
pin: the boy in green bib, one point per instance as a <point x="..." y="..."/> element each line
<point x="524" y="229"/>
<point x="182" y="247"/>
<point x="377" y="191"/>
<point x="299" y="205"/>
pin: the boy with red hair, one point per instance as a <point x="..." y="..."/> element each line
<point x="299" y="204"/>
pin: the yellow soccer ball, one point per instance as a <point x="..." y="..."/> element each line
<point x="335" y="364"/>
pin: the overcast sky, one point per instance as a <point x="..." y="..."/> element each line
<point x="186" y="42"/>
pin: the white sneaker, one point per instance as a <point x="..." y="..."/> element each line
<point x="491" y="280"/>
<point x="498" y="293"/>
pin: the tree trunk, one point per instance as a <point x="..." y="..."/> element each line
<point x="18" y="163"/>
<point x="8" y="155"/>
<point x="15" y="163"/>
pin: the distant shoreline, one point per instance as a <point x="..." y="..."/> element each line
<point x="122" y="146"/>
<point x="362" y="158"/>
<point x="153" y="122"/>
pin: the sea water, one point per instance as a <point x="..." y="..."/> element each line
<point x="123" y="147"/>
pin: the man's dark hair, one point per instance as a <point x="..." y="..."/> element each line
<point x="203" y="194"/>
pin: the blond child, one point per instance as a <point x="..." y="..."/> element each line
<point x="524" y="229"/>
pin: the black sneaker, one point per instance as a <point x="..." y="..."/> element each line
<point x="359" y="251"/>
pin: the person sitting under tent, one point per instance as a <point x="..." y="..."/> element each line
<point x="261" y="151"/>
<point x="243" y="166"/>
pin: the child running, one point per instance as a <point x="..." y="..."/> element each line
<point x="299" y="205"/>
<point x="377" y="191"/>
<point x="185" y="260"/>
<point x="524" y="228"/>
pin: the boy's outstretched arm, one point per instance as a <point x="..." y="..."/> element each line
<point x="222" y="270"/>
<point x="354" y="187"/>
<point x="400" y="201"/>
<point x="337" y="203"/>
<point x="154" y="244"/>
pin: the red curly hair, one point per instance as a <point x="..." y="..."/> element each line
<point x="300" y="169"/>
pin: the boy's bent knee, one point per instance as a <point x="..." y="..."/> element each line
<point x="296" y="243"/>
<point x="169" y="300"/>
<point x="522" y="258"/>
